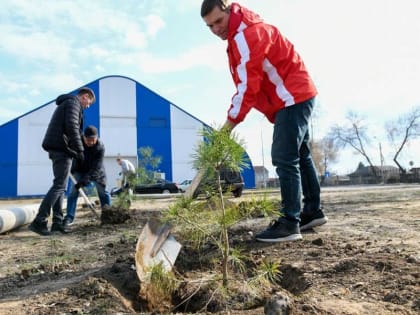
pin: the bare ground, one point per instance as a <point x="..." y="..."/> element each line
<point x="365" y="260"/>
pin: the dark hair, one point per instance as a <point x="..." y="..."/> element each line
<point x="208" y="5"/>
<point x="86" y="90"/>
<point x="90" y="132"/>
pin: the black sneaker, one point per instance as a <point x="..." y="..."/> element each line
<point x="39" y="228"/>
<point x="280" y="231"/>
<point x="308" y="220"/>
<point x="66" y="225"/>
<point x="68" y="222"/>
<point x="59" y="227"/>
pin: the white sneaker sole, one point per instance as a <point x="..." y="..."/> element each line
<point x="314" y="223"/>
<point x="292" y="237"/>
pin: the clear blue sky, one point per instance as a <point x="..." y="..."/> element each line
<point x="363" y="55"/>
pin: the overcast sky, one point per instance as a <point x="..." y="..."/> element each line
<point x="364" y="55"/>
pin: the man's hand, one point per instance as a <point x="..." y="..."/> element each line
<point x="81" y="183"/>
<point x="80" y="157"/>
<point x="228" y="126"/>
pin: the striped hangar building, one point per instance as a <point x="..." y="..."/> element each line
<point x="128" y="116"/>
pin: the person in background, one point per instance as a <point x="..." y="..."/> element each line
<point x="91" y="169"/>
<point x="271" y="77"/>
<point x="63" y="142"/>
<point x="128" y="171"/>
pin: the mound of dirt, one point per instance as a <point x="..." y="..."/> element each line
<point x="113" y="215"/>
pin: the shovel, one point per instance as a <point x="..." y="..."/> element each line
<point x="189" y="192"/>
<point x="82" y="192"/>
<point x="155" y="245"/>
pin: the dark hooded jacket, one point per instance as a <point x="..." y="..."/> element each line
<point x="64" y="132"/>
<point x="92" y="167"/>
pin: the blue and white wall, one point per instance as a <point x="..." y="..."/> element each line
<point x="128" y="116"/>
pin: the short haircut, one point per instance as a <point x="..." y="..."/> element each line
<point x="86" y="90"/>
<point x="90" y="132"/>
<point x="208" y="5"/>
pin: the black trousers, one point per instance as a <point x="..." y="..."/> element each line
<point x="61" y="164"/>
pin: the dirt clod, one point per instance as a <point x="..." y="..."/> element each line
<point x="112" y="215"/>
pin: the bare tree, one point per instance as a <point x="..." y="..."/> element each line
<point x="401" y="130"/>
<point x="324" y="152"/>
<point x="317" y="155"/>
<point x="353" y="135"/>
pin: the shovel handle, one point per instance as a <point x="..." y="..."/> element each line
<point x="189" y="192"/>
<point x="82" y="192"/>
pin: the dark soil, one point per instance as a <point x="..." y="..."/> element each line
<point x="113" y="215"/>
<point x="365" y="260"/>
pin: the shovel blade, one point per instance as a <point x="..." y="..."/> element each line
<point x="155" y="245"/>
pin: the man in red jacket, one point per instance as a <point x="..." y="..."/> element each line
<point x="271" y="77"/>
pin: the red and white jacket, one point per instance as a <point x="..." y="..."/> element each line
<point x="268" y="73"/>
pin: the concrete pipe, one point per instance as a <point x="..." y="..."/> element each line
<point x="16" y="216"/>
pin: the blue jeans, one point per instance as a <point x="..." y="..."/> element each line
<point x="61" y="164"/>
<point x="104" y="198"/>
<point x="292" y="158"/>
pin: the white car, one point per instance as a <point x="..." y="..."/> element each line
<point x="184" y="185"/>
